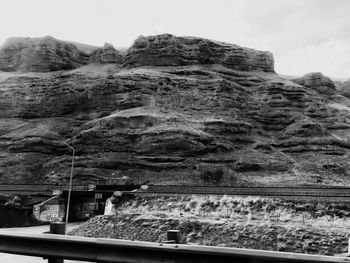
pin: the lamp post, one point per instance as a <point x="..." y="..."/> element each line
<point x="70" y="181"/>
<point x="61" y="227"/>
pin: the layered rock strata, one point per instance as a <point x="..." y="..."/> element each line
<point x="318" y="82"/>
<point x="106" y="54"/>
<point x="168" y="50"/>
<point x="167" y="116"/>
<point x="344" y="88"/>
<point x="40" y="55"/>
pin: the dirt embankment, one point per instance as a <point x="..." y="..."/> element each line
<point x="247" y="222"/>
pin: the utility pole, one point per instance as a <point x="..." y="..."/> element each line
<point x="70" y="181"/>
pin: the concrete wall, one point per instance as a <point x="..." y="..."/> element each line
<point x="81" y="207"/>
<point x="109" y="207"/>
<point x="52" y="210"/>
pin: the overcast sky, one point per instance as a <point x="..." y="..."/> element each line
<point x="303" y="35"/>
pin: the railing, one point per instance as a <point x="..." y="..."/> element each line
<point x="108" y="250"/>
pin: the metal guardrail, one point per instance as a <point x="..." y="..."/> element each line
<point x="123" y="251"/>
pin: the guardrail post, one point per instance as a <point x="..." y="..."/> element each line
<point x="55" y="260"/>
<point x="173" y="236"/>
<point x="58" y="228"/>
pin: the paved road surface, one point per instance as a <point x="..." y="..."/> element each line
<point x="11" y="258"/>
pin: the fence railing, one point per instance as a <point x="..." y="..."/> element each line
<point x="37" y="189"/>
<point x="107" y="250"/>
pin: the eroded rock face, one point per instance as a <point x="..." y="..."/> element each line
<point x="170" y="124"/>
<point x="318" y="82"/>
<point x="168" y="50"/>
<point x="106" y="54"/>
<point x="40" y="55"/>
<point x="344" y="88"/>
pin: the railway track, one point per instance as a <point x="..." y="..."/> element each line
<point x="311" y="192"/>
<point x="340" y="192"/>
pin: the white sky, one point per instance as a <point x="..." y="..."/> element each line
<point x="303" y="35"/>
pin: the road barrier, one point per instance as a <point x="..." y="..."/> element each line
<point x="123" y="251"/>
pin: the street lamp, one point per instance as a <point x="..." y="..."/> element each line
<point x="70" y="181"/>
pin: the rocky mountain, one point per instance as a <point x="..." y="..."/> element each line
<point x="318" y="82"/>
<point x="106" y="54"/>
<point x="40" y="55"/>
<point x="168" y="50"/>
<point x="344" y="88"/>
<point x="170" y="110"/>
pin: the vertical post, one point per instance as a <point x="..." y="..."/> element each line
<point x="58" y="228"/>
<point x="70" y="181"/>
<point x="349" y="246"/>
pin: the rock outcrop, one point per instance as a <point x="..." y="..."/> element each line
<point x="40" y="55"/>
<point x="318" y="82"/>
<point x="106" y="54"/>
<point x="344" y="88"/>
<point x="168" y="50"/>
<point x="174" y="110"/>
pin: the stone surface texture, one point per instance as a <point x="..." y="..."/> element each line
<point x="318" y="82"/>
<point x="344" y="88"/>
<point x="228" y="221"/>
<point x="40" y="54"/>
<point x="168" y="50"/>
<point x="173" y="109"/>
<point x="106" y="54"/>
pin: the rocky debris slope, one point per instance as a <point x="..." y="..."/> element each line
<point x="167" y="116"/>
<point x="197" y="232"/>
<point x="267" y="224"/>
